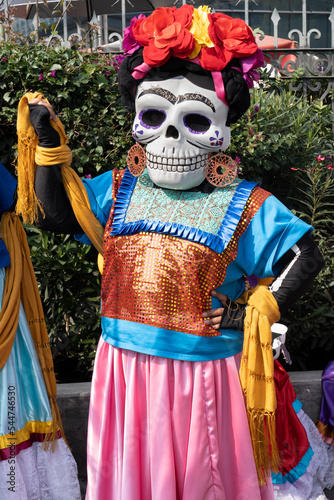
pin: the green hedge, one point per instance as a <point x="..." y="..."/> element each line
<point x="277" y="143"/>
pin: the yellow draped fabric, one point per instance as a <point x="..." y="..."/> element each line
<point x="21" y="286"/>
<point x="257" y="377"/>
<point x="21" y="435"/>
<point x="30" y="155"/>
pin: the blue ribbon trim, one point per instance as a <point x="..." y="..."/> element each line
<point x="296" y="472"/>
<point x="217" y="242"/>
<point x="301" y="467"/>
<point x="297" y="405"/>
<point x="234" y="211"/>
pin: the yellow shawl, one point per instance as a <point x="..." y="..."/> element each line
<point x="30" y="155"/>
<point x="257" y="378"/>
<point x="21" y="286"/>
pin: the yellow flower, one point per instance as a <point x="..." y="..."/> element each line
<point x="199" y="29"/>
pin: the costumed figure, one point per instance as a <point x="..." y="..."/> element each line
<point x="181" y="407"/>
<point x="35" y="461"/>
<point x="325" y="423"/>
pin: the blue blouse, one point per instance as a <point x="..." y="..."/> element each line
<point x="271" y="233"/>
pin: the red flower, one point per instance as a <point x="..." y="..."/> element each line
<point x="231" y="37"/>
<point x="164" y="33"/>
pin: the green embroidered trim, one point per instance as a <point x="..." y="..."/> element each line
<point x="194" y="209"/>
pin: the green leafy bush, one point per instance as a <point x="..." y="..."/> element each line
<point x="278" y="143"/>
<point x="82" y="87"/>
<point x="70" y="285"/>
<point x="83" y="90"/>
<point x="280" y="132"/>
<point x="311" y="320"/>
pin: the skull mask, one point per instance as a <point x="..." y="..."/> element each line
<point x="181" y="124"/>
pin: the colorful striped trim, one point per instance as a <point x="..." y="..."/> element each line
<point x="14" y="449"/>
<point x="296" y="472"/>
<point x="216" y="243"/>
<point x="301" y="467"/>
<point x="21" y="435"/>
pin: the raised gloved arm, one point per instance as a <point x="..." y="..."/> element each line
<point x="299" y="267"/>
<point x="58" y="214"/>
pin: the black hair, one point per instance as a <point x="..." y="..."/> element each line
<point x="236" y="90"/>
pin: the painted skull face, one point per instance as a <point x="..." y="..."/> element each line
<point x="180" y="124"/>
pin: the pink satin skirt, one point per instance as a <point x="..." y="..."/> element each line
<point x="164" y="429"/>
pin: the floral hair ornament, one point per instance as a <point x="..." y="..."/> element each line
<point x="196" y="35"/>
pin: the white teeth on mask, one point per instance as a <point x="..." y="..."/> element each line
<point x="171" y="164"/>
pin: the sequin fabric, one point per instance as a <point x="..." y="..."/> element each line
<point x="195" y="209"/>
<point x="164" y="281"/>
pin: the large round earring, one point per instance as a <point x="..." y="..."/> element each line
<point x="220" y="170"/>
<point x="136" y="160"/>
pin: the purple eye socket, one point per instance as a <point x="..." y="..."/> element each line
<point x="152" y="118"/>
<point x="197" y="124"/>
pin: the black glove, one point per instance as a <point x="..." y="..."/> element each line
<point x="299" y="266"/>
<point x="40" y="120"/>
<point x="233" y="315"/>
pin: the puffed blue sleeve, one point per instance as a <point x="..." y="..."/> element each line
<point x="99" y="190"/>
<point x="271" y="233"/>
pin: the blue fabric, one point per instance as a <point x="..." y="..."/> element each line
<point x="296" y="472"/>
<point x="271" y="233"/>
<point x="99" y="190"/>
<point x="168" y="343"/>
<point x="302" y="466"/>
<point x="7" y="190"/>
<point x="23" y="372"/>
<point x="297" y="405"/>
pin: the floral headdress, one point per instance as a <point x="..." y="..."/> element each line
<point x="211" y="40"/>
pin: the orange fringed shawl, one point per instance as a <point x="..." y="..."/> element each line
<point x="257" y="378"/>
<point x="30" y="155"/>
<point x="21" y="286"/>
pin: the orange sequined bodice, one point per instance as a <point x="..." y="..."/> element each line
<point x="165" y="281"/>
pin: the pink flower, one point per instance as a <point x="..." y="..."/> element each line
<point x="237" y="160"/>
<point x="53" y="73"/>
<point x="4" y="59"/>
<point x="294" y="168"/>
<point x="107" y="73"/>
<point x="41" y="76"/>
<point x="130" y="44"/>
<point x="330" y="167"/>
<point x="88" y="176"/>
<point x="117" y="60"/>
<point x="248" y="67"/>
<point x="320" y="158"/>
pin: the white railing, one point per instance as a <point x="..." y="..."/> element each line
<point x="303" y="36"/>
